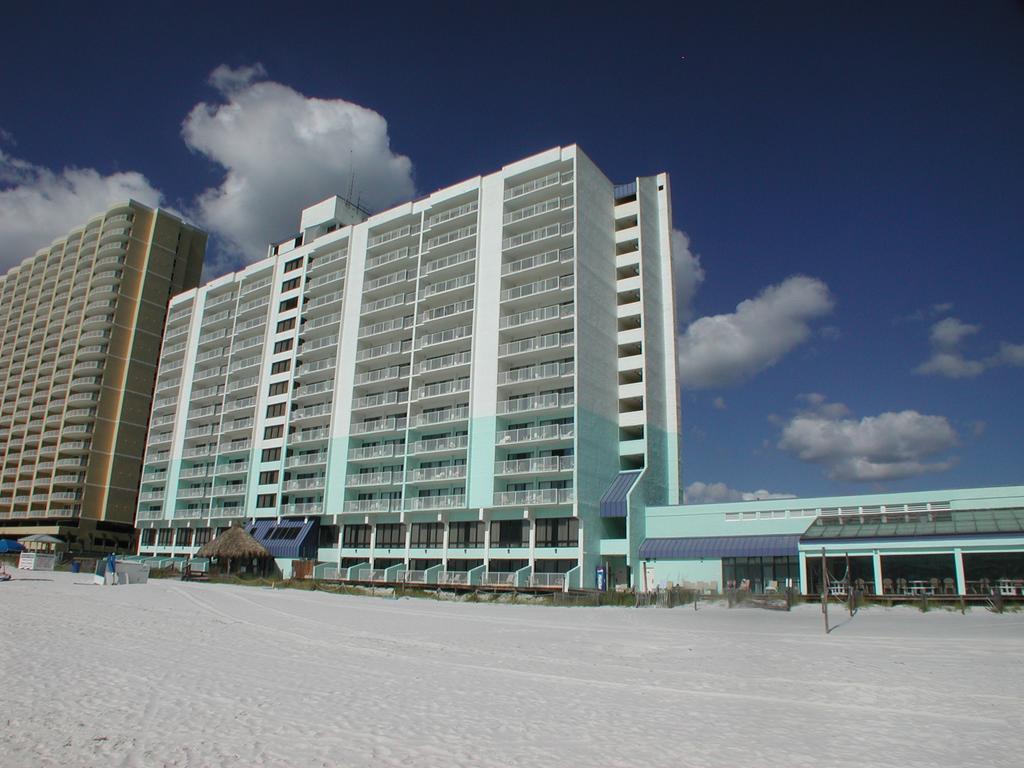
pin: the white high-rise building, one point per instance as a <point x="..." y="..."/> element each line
<point x="479" y="386"/>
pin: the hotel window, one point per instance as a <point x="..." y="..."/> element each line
<point x="287" y="304"/>
<point x="271" y="432"/>
<point x="427" y="535"/>
<point x="390" y="535"/>
<point x="164" y="537"/>
<point x="292" y="264"/>
<point x="202" y="536"/>
<point x="356" y="536"/>
<point x="465" y="535"/>
<point x="281" y="366"/>
<point x="183" y="538"/>
<point x="268" y="477"/>
<point x="149" y="537"/>
<point x="278" y="388"/>
<point x="290" y="285"/>
<point x="283" y="346"/>
<point x="270" y="454"/>
<point x="285" y="325"/>
<point x="265" y="500"/>
<point x="558" y="532"/>
<point x="275" y="409"/>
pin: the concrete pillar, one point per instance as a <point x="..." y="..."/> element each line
<point x="803" y="573"/>
<point x="961" y="579"/>
<point x="876" y="562"/>
<point x="444" y="545"/>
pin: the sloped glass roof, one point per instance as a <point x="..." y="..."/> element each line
<point x="955" y="523"/>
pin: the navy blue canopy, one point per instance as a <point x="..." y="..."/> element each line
<point x="296" y="539"/>
<point x="7" y="546"/>
<point x="693" y="548"/>
<point x="613" y="503"/>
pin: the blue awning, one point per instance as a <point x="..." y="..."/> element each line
<point x="613" y="503"/>
<point x="287" y="538"/>
<point x="692" y="548"/>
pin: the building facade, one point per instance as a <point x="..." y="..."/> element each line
<point x="479" y="384"/>
<point x="81" y="324"/>
<point x="959" y="542"/>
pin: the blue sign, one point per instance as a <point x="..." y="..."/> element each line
<point x="602" y="578"/>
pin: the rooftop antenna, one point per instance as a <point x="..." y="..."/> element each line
<point x="352" y="175"/>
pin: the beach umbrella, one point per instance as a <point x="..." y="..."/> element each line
<point x="7" y="546"/>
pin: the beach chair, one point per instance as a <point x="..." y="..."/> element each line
<point x="886" y="586"/>
<point x="949" y="586"/>
<point x="772" y="588"/>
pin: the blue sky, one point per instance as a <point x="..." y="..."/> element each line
<point x="848" y="176"/>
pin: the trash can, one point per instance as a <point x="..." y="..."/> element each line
<point x="76" y="567"/>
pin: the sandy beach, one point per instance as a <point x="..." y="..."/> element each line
<point x="185" y="674"/>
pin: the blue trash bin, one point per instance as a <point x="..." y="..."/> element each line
<point x="76" y="567"/>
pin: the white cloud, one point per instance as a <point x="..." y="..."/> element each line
<point x="1010" y="354"/>
<point x="38" y="204"/>
<point x="687" y="273"/>
<point x="723" y="350"/>
<point x="889" y="446"/>
<point x="948" y="359"/>
<point x="949" y="332"/>
<point x="282" y="151"/>
<point x="716" y="493"/>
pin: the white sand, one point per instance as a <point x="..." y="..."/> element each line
<point x="197" y="674"/>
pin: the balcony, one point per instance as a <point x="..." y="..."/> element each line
<point x="306" y="460"/>
<point x="541" y="496"/>
<point x="311" y="412"/>
<point x="310" y="390"/>
<point x="443" y="362"/>
<point x="534" y="403"/>
<point x="536" y="344"/>
<point x="374" y="426"/>
<point x="442" y="416"/>
<point x="329" y="322"/>
<point x="236" y="446"/>
<point x="447" y="310"/>
<point x="425" y="503"/>
<point x="444" y="337"/>
<point x="373" y="452"/>
<point x="442" y="388"/>
<point x="371" y="505"/>
<point x="323" y="345"/>
<point x="386" y="326"/>
<point x="447" y="262"/>
<point x="325" y="280"/>
<point x="388" y="302"/>
<point x="385" y="281"/>
<point x="309" y="436"/>
<point x="308" y="508"/>
<point x="436" y="474"/>
<point x="549" y="313"/>
<point x="541" y="434"/>
<point x="395" y="348"/>
<point x="398" y="254"/>
<point x="560" y="283"/>
<point x="446" y="286"/>
<point x="536" y="373"/>
<point x="381" y="374"/>
<point x="520" y="190"/>
<point x="369" y="479"/>
<point x="240" y="384"/>
<point x="323" y="301"/>
<point x="231" y="468"/>
<point x="408" y="230"/>
<point x="452" y="213"/>
<point x="307" y="484"/>
<point x="536" y="210"/>
<point x="438" y="445"/>
<point x="539" y="465"/>
<point x="378" y="400"/>
<point x="452" y="236"/>
<point x="230" y="489"/>
<point x="194" y="493"/>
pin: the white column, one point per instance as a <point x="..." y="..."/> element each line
<point x="533" y="539"/>
<point x="444" y="545"/>
<point x="408" y="543"/>
<point x="803" y="574"/>
<point x="373" y="541"/>
<point x="487" y="541"/>
<point x="961" y="580"/>
<point x="876" y="562"/>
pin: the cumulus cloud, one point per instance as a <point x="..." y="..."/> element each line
<point x="948" y="359"/>
<point x="282" y="151"/>
<point x="716" y="493"/>
<point x="723" y="350"/>
<point x="687" y="273"/>
<point x="38" y="204"/>
<point x="889" y="446"/>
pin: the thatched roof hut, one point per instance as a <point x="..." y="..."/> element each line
<point x="234" y="544"/>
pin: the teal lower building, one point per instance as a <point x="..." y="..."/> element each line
<point x="955" y="542"/>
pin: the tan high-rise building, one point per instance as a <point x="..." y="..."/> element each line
<point x="81" y="324"/>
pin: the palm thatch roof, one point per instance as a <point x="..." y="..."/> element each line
<point x="235" y="542"/>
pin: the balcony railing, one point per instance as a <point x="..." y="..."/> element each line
<point x="551" y="312"/>
<point x="438" y="444"/>
<point x="423" y="503"/>
<point x="371" y="505"/>
<point x="430" y="474"/>
<point x="536" y="372"/>
<point x="535" y="465"/>
<point x="536" y="403"/>
<point x="371" y="478"/>
<point x="536" y="434"/>
<point x="534" y="497"/>
<point x="305" y="460"/>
